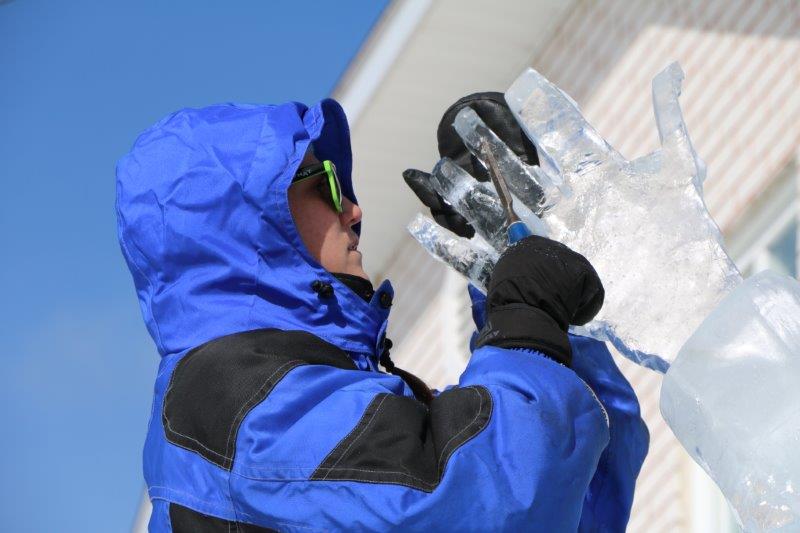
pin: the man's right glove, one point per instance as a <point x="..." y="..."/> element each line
<point x="538" y="288"/>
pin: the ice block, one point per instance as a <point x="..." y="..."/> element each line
<point x="732" y="398"/>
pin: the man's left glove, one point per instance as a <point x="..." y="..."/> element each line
<point x="491" y="107"/>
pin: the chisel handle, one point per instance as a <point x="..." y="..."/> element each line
<point x="517" y="231"/>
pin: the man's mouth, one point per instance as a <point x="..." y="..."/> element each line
<point x="353" y="246"/>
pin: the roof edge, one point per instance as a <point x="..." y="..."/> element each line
<point x="377" y="54"/>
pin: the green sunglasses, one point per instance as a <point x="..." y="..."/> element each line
<point x="328" y="169"/>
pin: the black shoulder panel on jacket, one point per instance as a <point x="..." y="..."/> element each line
<point x="184" y="520"/>
<point x="399" y="440"/>
<point x="215" y="385"/>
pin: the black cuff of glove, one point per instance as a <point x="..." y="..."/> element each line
<point x="523" y="326"/>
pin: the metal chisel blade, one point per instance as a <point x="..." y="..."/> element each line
<point x="499" y="183"/>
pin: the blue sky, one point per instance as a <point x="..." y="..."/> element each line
<point x="78" y="81"/>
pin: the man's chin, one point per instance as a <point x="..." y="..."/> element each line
<point x="354" y="266"/>
<point x="360" y="273"/>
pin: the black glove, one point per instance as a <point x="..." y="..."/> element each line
<point x="493" y="110"/>
<point x="442" y="212"/>
<point x="538" y="288"/>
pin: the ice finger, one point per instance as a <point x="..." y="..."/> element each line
<point x="555" y="125"/>
<point x="675" y="141"/>
<point x="468" y="257"/>
<point x="475" y="201"/>
<point x="648" y="165"/>
<point x="534" y="223"/>
<point x="544" y="176"/>
<point x="536" y="191"/>
<point x="666" y="90"/>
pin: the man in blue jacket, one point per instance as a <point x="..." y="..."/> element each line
<point x="240" y="227"/>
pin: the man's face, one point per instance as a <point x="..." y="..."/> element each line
<point x="327" y="235"/>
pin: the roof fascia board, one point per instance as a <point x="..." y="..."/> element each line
<point x="378" y="54"/>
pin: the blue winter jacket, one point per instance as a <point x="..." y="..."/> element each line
<point x="269" y="410"/>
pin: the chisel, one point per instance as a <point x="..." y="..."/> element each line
<point x="517" y="230"/>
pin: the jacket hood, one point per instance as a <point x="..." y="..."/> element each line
<point x="204" y="225"/>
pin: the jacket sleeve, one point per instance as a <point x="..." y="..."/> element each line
<point x="513" y="447"/>
<point x="608" y="500"/>
<point x="607" y="505"/>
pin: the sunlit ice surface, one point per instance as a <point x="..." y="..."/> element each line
<point x="732" y="398"/>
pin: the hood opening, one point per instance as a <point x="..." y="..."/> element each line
<point x="205" y="226"/>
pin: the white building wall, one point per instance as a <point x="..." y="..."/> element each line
<point x="741" y="103"/>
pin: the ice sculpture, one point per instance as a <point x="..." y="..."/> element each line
<point x="477" y="201"/>
<point x="472" y="258"/>
<point x="642" y="223"/>
<point x="732" y="398"/>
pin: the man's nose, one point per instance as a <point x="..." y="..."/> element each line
<point x="351" y="213"/>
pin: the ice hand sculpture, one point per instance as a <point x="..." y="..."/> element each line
<point x="642" y="223"/>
